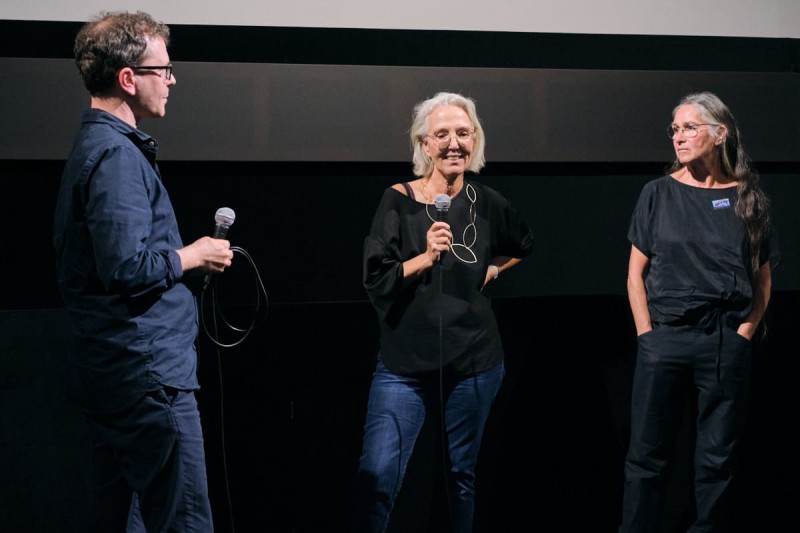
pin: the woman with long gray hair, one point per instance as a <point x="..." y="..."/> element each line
<point x="699" y="282"/>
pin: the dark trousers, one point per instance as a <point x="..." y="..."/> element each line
<point x="148" y="467"/>
<point x="671" y="363"/>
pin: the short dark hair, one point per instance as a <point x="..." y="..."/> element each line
<point x="111" y="41"/>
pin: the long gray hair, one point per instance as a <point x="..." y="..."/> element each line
<point x="753" y="205"/>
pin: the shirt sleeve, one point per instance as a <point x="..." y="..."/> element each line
<point x="121" y="220"/>
<point x="515" y="238"/>
<point x="638" y="231"/>
<point x="383" y="261"/>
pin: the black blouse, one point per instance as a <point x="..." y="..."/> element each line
<point x="443" y="318"/>
<point x="699" y="257"/>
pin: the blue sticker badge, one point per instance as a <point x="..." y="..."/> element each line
<point x="723" y="203"/>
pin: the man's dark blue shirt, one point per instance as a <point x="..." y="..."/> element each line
<point x="134" y="319"/>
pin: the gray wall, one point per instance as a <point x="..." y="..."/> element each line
<point x="356" y="113"/>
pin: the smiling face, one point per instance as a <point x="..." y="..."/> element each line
<point x="454" y="157"/>
<point x="152" y="87"/>
<point x="703" y="147"/>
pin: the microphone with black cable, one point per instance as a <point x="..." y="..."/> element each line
<point x="442" y="203"/>
<point x="224" y="219"/>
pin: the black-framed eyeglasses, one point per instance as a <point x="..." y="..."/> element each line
<point x="443" y="138"/>
<point x="689" y="131"/>
<point x="166" y="68"/>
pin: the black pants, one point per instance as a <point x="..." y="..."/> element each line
<point x="671" y="363"/>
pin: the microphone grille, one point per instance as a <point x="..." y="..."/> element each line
<point x="225" y="216"/>
<point x="442" y="202"/>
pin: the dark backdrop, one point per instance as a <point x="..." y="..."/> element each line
<point x="283" y="414"/>
<point x="299" y="131"/>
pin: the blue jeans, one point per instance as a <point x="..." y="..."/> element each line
<point x="395" y="413"/>
<point x="148" y="467"/>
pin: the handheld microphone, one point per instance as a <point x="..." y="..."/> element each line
<point x="442" y="203"/>
<point x="224" y="219"/>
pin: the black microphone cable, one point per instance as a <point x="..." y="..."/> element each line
<point x="260" y="310"/>
<point x="442" y="203"/>
<point x="443" y="425"/>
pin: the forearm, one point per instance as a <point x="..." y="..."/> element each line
<point x="499" y="264"/>
<point x="761" y="296"/>
<point x="504" y="262"/>
<point x="637" y="298"/>
<point x="416" y="266"/>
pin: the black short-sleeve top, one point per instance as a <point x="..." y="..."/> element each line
<point x="698" y="251"/>
<point x="443" y="319"/>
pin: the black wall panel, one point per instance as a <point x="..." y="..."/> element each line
<point x="303" y="224"/>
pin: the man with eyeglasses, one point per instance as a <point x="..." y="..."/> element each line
<point x="126" y="280"/>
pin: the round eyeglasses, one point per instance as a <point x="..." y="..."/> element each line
<point x="443" y="138"/>
<point x="166" y="68"/>
<point x="689" y="131"/>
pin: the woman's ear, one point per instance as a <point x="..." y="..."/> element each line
<point x="426" y="148"/>
<point x="722" y="134"/>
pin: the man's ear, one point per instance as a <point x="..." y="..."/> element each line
<point x="126" y="79"/>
